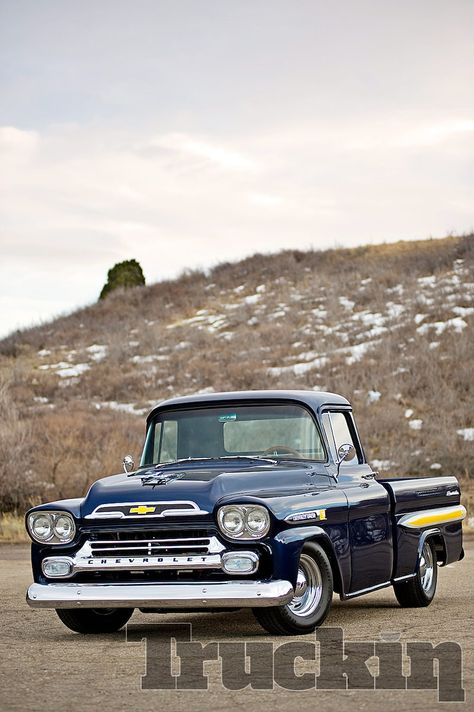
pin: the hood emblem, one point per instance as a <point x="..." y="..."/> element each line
<point x="141" y="509"/>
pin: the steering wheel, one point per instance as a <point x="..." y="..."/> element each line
<point x="285" y="450"/>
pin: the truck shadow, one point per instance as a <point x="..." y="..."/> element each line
<point x="229" y="625"/>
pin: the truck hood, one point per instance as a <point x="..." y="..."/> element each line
<point x="207" y="485"/>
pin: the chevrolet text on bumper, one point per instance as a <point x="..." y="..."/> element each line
<point x="262" y="499"/>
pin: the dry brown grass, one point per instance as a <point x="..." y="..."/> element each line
<point x="12" y="529"/>
<point x="56" y="448"/>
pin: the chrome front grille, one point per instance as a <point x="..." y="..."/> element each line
<point x="149" y="555"/>
<point x="156" y="546"/>
<point x="149" y="550"/>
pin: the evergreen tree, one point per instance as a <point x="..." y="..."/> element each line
<point x="124" y="274"/>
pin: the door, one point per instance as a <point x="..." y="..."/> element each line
<point x="370" y="528"/>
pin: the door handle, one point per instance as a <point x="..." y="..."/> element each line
<point x="369" y="476"/>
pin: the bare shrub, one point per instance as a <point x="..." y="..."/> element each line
<point x="16" y="481"/>
<point x="77" y="447"/>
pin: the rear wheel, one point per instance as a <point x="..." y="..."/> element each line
<point x="94" y="620"/>
<point x="313" y="596"/>
<point x="420" y="590"/>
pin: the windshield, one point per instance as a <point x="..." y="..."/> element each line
<point x="283" y="431"/>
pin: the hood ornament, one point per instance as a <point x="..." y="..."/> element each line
<point x="161" y="478"/>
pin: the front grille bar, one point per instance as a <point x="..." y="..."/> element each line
<point x="202" y="545"/>
<point x="97" y="552"/>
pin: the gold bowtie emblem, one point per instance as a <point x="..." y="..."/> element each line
<point x="142" y="509"/>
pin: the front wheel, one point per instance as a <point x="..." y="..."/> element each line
<point x="312" y="601"/>
<point x="420" y="590"/>
<point x="94" y="620"/>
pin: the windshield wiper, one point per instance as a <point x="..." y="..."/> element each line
<point x="183" y="460"/>
<point x="245" y="457"/>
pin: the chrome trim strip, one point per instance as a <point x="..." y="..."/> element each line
<point x="99" y="551"/>
<point x="226" y="594"/>
<point x="90" y="548"/>
<point x="363" y="591"/>
<point x="397" y="579"/>
<point x="156" y="542"/>
<point x="96" y="514"/>
<point x="428" y="517"/>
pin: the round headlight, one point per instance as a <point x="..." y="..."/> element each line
<point x="244" y="521"/>
<point x="51" y="527"/>
<point x="41" y="526"/>
<point x="233" y="521"/>
<point x="64" y="528"/>
<point x="257" y="520"/>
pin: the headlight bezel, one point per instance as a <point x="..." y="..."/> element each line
<point x="246" y="534"/>
<point x="53" y="538"/>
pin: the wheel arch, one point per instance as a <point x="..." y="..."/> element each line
<point x="326" y="545"/>
<point x="436" y="537"/>
<point x="289" y="544"/>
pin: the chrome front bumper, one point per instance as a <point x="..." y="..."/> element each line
<point x="226" y="594"/>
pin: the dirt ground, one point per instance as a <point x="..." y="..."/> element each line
<point x="44" y="666"/>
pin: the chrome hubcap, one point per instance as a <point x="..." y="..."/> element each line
<point x="301" y="583"/>
<point x="309" y="588"/>
<point x="426" y="568"/>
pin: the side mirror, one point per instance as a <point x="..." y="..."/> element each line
<point x="345" y="452"/>
<point x="128" y="463"/>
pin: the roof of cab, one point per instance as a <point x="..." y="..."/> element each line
<point x="313" y="399"/>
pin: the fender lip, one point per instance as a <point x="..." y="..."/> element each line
<point x="224" y="594"/>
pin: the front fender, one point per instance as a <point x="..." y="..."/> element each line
<point x="287" y="546"/>
<point x="73" y="506"/>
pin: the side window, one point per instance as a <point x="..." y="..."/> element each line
<point x="342" y="434"/>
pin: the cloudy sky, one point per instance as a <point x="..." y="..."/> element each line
<point x="188" y="132"/>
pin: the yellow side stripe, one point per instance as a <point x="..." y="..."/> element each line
<point x="442" y="515"/>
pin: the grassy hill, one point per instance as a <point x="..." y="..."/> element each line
<point x="388" y="326"/>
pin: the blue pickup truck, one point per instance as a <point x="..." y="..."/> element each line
<point x="260" y="499"/>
